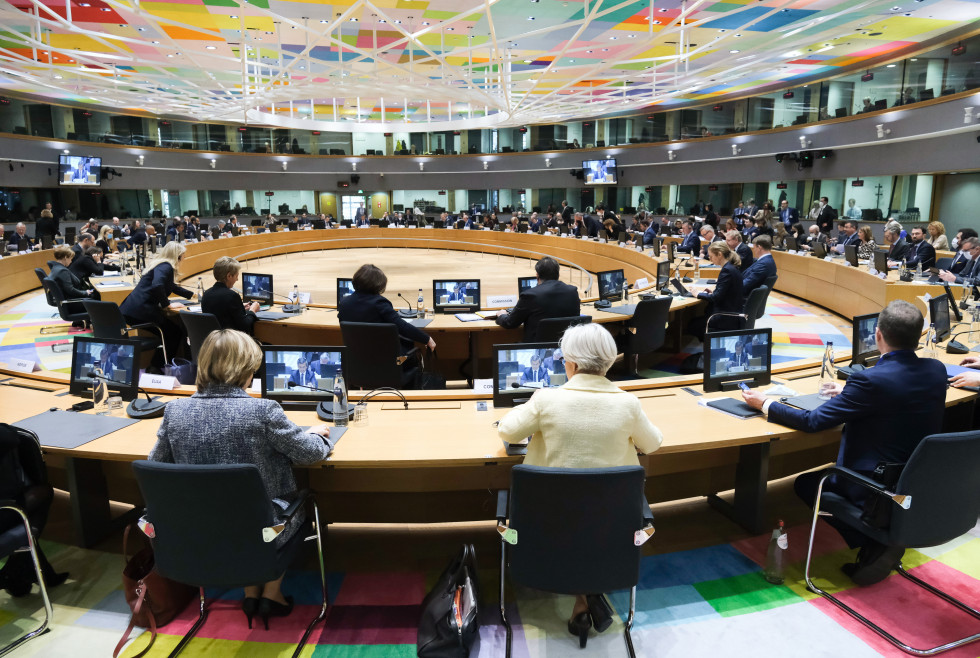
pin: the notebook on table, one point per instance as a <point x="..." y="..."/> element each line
<point x="625" y="309"/>
<point x="733" y="407"/>
<point x="805" y="402"/>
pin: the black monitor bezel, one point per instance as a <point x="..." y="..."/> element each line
<point x="656" y="246"/>
<point x="665" y="280"/>
<point x="851" y="254"/>
<point x="713" y="384"/>
<point x="248" y="297"/>
<point x="504" y="399"/>
<point x="819" y="246"/>
<point x="337" y="289"/>
<point x="880" y="255"/>
<point x="598" y="279"/>
<point x="83" y="387"/>
<point x="861" y="358"/>
<point x="313" y="397"/>
<point x="520" y="279"/>
<point x="456" y="308"/>
<point x="671" y="250"/>
<point x="610" y="166"/>
<point x="63" y="159"/>
<point x="936" y="303"/>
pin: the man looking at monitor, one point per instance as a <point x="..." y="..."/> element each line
<point x="550" y="298"/>
<point x="535" y="373"/>
<point x="222" y="301"/>
<point x="886" y="411"/>
<point x="303" y="374"/>
<point x="763" y="266"/>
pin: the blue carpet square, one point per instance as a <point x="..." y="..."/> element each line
<point x="690" y="567"/>
<point x="664" y="606"/>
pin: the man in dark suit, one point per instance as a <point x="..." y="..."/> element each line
<point x="85" y="241"/>
<point x="787" y="215"/>
<point x="739" y="358"/>
<point x="303" y="374"/>
<point x="962" y="258"/>
<point x="222" y="301"/>
<point x="21" y="239"/>
<point x="535" y="373"/>
<point x="886" y="411"/>
<point x="692" y="241"/>
<point x="708" y="233"/>
<point x="920" y="252"/>
<point x="971" y="270"/>
<point x="751" y="209"/>
<point x="359" y="215"/>
<point x="850" y="235"/>
<point x="763" y="266"/>
<point x="549" y="299"/>
<point x="899" y="247"/>
<point x="566" y="212"/>
<point x="827" y="216"/>
<point x="744" y="251"/>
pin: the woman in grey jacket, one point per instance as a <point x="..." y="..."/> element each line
<point x="223" y="424"/>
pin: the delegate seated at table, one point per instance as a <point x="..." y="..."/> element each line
<point x="535" y="373"/>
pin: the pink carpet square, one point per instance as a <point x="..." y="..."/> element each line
<point x="910" y="613"/>
<point x="373" y="624"/>
<point x="827" y="541"/>
<point x="393" y="588"/>
<point x="226" y="621"/>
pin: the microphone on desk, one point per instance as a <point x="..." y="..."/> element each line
<point x="406" y="313"/>
<point x="956" y="347"/>
<point x="139" y="409"/>
<point x="323" y="411"/>
<point x="292" y="307"/>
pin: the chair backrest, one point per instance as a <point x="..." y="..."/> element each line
<point x="198" y="326"/>
<point x="941" y="479"/>
<point x="770" y="282"/>
<point x="21" y="463"/>
<point x="372" y="352"/>
<point x="552" y="329"/>
<point x="755" y="305"/>
<point x="943" y="263"/>
<point x="575" y="527"/>
<point x="208" y="522"/>
<point x="106" y="318"/>
<point x="650" y="321"/>
<point x="55" y="296"/>
<point x="41" y="275"/>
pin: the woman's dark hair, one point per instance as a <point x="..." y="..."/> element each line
<point x="370" y="279"/>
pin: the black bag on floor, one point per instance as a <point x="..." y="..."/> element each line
<point x="432" y="381"/>
<point x="449" y="622"/>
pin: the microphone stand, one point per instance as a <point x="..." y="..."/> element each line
<point x="137" y="408"/>
<point x="323" y="412"/>
<point x="286" y="308"/>
<point x="406" y="313"/>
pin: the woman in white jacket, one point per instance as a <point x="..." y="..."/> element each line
<point x="588" y="422"/>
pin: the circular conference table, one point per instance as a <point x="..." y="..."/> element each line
<point x="441" y="459"/>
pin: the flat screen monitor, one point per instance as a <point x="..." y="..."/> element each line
<point x="257" y="288"/>
<point x="344" y="287"/>
<point x="526" y="283"/>
<point x="792" y="244"/>
<point x="663" y="274"/>
<point x="881" y="260"/>
<point x="611" y="284"/>
<point x="671" y="246"/>
<point x="79" y="170"/>
<point x="518" y="370"/>
<point x="731" y="357"/>
<point x="864" y="349"/>
<point x="939" y="316"/>
<point x="599" y="172"/>
<point x="456" y="295"/>
<point x="819" y="249"/>
<point x="656" y="247"/>
<point x="300" y="373"/>
<point x="116" y="358"/>
<point x="851" y="254"/>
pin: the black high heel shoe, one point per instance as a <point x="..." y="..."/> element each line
<point x="250" y="605"/>
<point x="600" y="611"/>
<point x="269" y="608"/>
<point x="579" y="625"/>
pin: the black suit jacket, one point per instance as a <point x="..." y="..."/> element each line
<point x="362" y="307"/>
<point x="152" y="294"/>
<point x="744" y="252"/>
<point x="226" y="305"/>
<point x="726" y="298"/>
<point x="548" y="299"/>
<point x="826" y="219"/>
<point x="923" y="253"/>
<point x="899" y="250"/>
<point x="959" y="262"/>
<point x="85" y="266"/>
<point x="46" y="226"/>
<point x="566" y="213"/>
<point x="24" y="243"/>
<point x="69" y="284"/>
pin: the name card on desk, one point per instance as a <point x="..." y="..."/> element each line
<point x="304" y="297"/>
<point x="829" y="259"/>
<point x="502" y="300"/>
<point x="158" y="381"/>
<point x="641" y="283"/>
<point x="483" y="386"/>
<point x="22" y="365"/>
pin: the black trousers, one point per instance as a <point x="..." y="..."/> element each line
<point x="805" y="487"/>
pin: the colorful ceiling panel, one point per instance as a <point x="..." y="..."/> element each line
<point x="468" y="63"/>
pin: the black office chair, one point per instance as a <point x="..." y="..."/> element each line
<point x="552" y="329"/>
<point x="575" y="532"/>
<point x="935" y="500"/>
<point x="22" y="468"/>
<point x="199" y="326"/>
<point x="67" y="308"/>
<point x="213" y="526"/>
<point x="943" y="263"/>
<point x="646" y="331"/>
<point x="755" y="308"/>
<point x="770" y="282"/>
<point x="108" y="322"/>
<point x="41" y="275"/>
<point x="376" y="357"/>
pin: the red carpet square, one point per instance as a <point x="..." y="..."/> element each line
<point x="373" y="624"/>
<point x="805" y="339"/>
<point x="910" y="613"/>
<point x="394" y="588"/>
<point x="226" y="621"/>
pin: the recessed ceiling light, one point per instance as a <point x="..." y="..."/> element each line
<point x="588" y="52"/>
<point x="233" y="17"/>
<point x="210" y="48"/>
<point x="84" y="4"/>
<point x="397" y="22"/>
<point x="324" y="21"/>
<point x="736" y="35"/>
<point x="381" y="20"/>
<point x="631" y="36"/>
<point x="530" y="18"/>
<point x="155" y="42"/>
<point x="169" y="55"/>
<point x="613" y="38"/>
<point x="57" y="77"/>
<point x="425" y="22"/>
<point x="656" y="23"/>
<point x="450" y="29"/>
<point x="732" y="52"/>
<point x="889" y="66"/>
<point x="353" y="20"/>
<point x="106" y="9"/>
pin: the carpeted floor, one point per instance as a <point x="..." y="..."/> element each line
<point x="711" y="601"/>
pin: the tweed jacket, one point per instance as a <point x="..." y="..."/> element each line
<point x="588" y="422"/>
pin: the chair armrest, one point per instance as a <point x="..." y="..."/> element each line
<point x="301" y="497"/>
<point x="142" y="325"/>
<point x="724" y="314"/>
<point x="406" y="356"/>
<point x="503" y="498"/>
<point x="647" y="512"/>
<point x="902" y="500"/>
<point x="77" y="300"/>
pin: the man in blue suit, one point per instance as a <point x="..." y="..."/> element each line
<point x="303" y="374"/>
<point x="762" y="267"/>
<point x="886" y="411"/>
<point x="535" y="373"/>
<point x="789" y="216"/>
<point x="920" y="252"/>
<point x="971" y="269"/>
<point x="850" y="235"/>
<point x="692" y="241"/>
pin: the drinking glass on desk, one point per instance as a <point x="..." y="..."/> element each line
<point x="974" y="324"/>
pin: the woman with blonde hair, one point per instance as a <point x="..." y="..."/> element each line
<point x="727" y="297"/>
<point x="106" y="241"/>
<point x="866" y="250"/>
<point x="151" y="297"/>
<point x="936" y="233"/>
<point x="588" y="422"/>
<point x="222" y="424"/>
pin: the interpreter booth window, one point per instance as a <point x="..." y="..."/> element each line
<point x="350" y="204"/>
<point x="870" y="195"/>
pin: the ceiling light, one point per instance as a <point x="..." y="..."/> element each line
<point x="233" y="17"/>
<point x="733" y="52"/>
<point x="656" y="22"/>
<point x="381" y="20"/>
<point x="530" y="18"/>
<point x="155" y="42"/>
<point x="84" y="4"/>
<point x="397" y="22"/>
<point x="57" y="77"/>
<point x="324" y="21"/>
<point x="106" y="9"/>
<point x="613" y="38"/>
<point x="425" y="22"/>
<point x="353" y="20"/>
<point x="450" y="29"/>
<point x="210" y="47"/>
<point x="736" y="35"/>
<point x="889" y="66"/>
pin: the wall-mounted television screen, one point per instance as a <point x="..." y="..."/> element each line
<point x="80" y="170"/>
<point x="599" y="172"/>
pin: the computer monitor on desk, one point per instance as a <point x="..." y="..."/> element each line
<point x="526" y="283"/>
<point x="663" y="274"/>
<point x="864" y="349"/>
<point x="344" y="287"/>
<point x="819" y="249"/>
<point x="456" y="295"/>
<point x="300" y="373"/>
<point x="655" y="244"/>
<point x="851" y="254"/>
<point x="257" y="288"/>
<point x="671" y="247"/>
<point x="117" y="359"/>
<point x="519" y="370"/>
<point x="731" y="357"/>
<point x="611" y="284"/>
<point x="939" y="316"/>
<point x="881" y="260"/>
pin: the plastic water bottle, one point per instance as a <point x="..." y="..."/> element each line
<point x="626" y="287"/>
<point x="828" y="373"/>
<point x="339" y="401"/>
<point x="200" y="289"/>
<point x="697" y="267"/>
<point x="918" y="269"/>
<point x="420" y="306"/>
<point x="296" y="301"/>
<point x="930" y="347"/>
<point x="774" y="556"/>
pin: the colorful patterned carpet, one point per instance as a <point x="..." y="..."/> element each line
<point x="706" y="602"/>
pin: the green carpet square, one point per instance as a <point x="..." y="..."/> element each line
<point x="364" y="651"/>
<point x="746" y="593"/>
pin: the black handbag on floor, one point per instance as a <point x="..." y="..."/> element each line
<point x="449" y="623"/>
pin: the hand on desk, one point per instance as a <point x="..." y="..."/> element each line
<point x="754" y="398"/>
<point x="947" y="276"/>
<point x="253" y="307"/>
<point x="965" y="379"/>
<point x="322" y="429"/>
<point x="971" y="362"/>
<point x="177" y="306"/>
